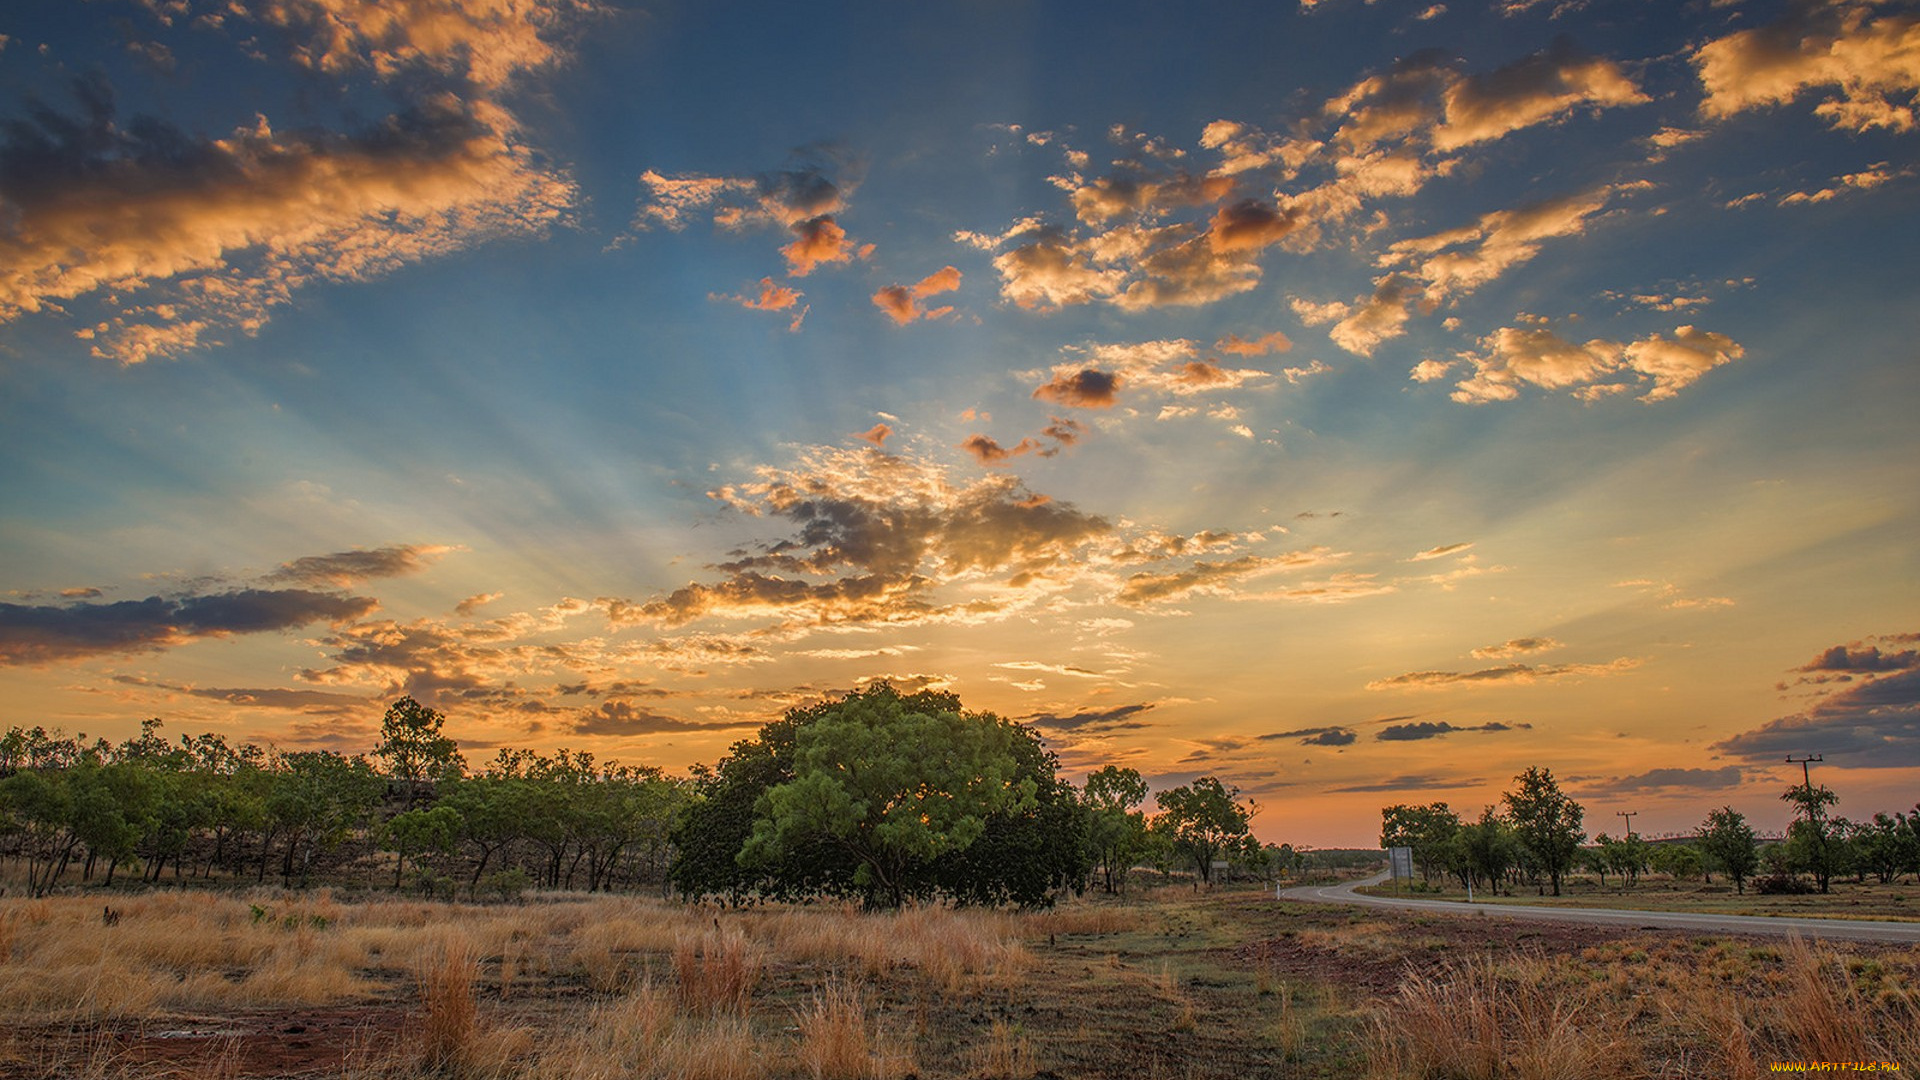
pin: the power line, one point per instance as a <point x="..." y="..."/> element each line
<point x="1629" y="815"/>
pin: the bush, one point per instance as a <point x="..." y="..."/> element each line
<point x="1781" y="885"/>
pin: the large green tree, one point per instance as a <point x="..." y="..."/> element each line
<point x="1547" y="823"/>
<point x="892" y="787"/>
<point x="1201" y="820"/>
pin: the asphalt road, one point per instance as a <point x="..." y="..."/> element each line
<point x="1848" y="929"/>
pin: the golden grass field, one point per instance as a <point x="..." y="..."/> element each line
<point x="1165" y="984"/>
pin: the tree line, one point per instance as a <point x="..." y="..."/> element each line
<point x="877" y="796"/>
<point x="1537" y="834"/>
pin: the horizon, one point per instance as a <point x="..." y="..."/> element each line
<point x="1357" y="405"/>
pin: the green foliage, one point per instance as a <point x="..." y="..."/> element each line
<point x="1487" y="849"/>
<point x="1726" y="845"/>
<point x="891" y="786"/>
<point x="1809" y="848"/>
<point x="415" y="748"/>
<point x="1199" y="821"/>
<point x="1547" y="823"/>
<point x="1116" y="832"/>
<point x="883" y="796"/>
<point x="1428" y="830"/>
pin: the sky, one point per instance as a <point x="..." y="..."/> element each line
<point x="1359" y="401"/>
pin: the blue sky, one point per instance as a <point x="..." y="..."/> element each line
<point x="1362" y="402"/>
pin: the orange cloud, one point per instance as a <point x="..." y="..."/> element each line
<point x="1087" y="388"/>
<point x="901" y="303"/>
<point x="1235" y="345"/>
<point x="818" y="240"/>
<point x="1535" y="356"/>
<point x="877" y="434"/>
<point x="229" y="231"/>
<point x="1866" y="61"/>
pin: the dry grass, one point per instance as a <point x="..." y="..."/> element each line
<point x="1633" y="1010"/>
<point x="717" y="971"/>
<point x="1006" y="1055"/>
<point x="838" y="1043"/>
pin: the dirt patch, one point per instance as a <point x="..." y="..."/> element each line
<point x="317" y="1041"/>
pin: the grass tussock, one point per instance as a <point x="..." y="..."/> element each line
<point x="837" y="1042"/>
<point x="716" y="971"/>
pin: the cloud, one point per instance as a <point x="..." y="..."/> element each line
<point x="1092" y="376"/>
<point x="771" y="297"/>
<point x="623" y="718"/>
<point x="1543" y="87"/>
<point x="343" y="569"/>
<point x="1847" y="184"/>
<point x="1509" y="674"/>
<point x="1433" y="729"/>
<point x="877" y="435"/>
<point x="1871" y="721"/>
<point x="184" y="238"/>
<point x="902" y="303"/>
<point x="1516" y="647"/>
<point x="1360" y="327"/>
<point x="1320" y="736"/>
<point x="875" y="536"/>
<point x="1088" y="721"/>
<point x="1087" y="388"/>
<point x="803" y="200"/>
<point x="475" y="602"/>
<point x="1458" y="261"/>
<point x="1672" y="779"/>
<point x="988" y="452"/>
<point x="1209" y="578"/>
<point x="1440" y="552"/>
<point x="1235" y="345"/>
<point x="1863" y="62"/>
<point x="1408" y="782"/>
<point x="44" y="634"/>
<point x="1658" y="368"/>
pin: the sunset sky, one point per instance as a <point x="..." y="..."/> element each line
<point x="1360" y="401"/>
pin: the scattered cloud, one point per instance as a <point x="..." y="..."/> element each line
<point x="1440" y="552"/>
<point x="1516" y="647"/>
<point x="344" y="569"/>
<point x="1319" y="736"/>
<point x="43" y="634"/>
<point x="1872" y="720"/>
<point x="1409" y="782"/>
<point x="1433" y="729"/>
<point x="1655" y="368"/>
<point x="1858" y="58"/>
<point x="1671" y="779"/>
<point x="902" y="302"/>
<point x="1506" y="675"/>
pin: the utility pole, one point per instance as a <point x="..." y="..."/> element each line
<point x="1629" y="815"/>
<point x="1806" y="774"/>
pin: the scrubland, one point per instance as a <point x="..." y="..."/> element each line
<point x="1164" y="984"/>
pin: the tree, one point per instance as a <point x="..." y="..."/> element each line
<point x="1487" y="849"/>
<point x="1428" y="830"/>
<point x="1200" y="820"/>
<point x="1116" y="831"/>
<point x="892" y="787"/>
<point x="415" y="750"/>
<point x="1726" y="844"/>
<point x="1547" y="823"/>
<point x="1807" y="841"/>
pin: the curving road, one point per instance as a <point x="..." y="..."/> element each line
<point x="1848" y="929"/>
